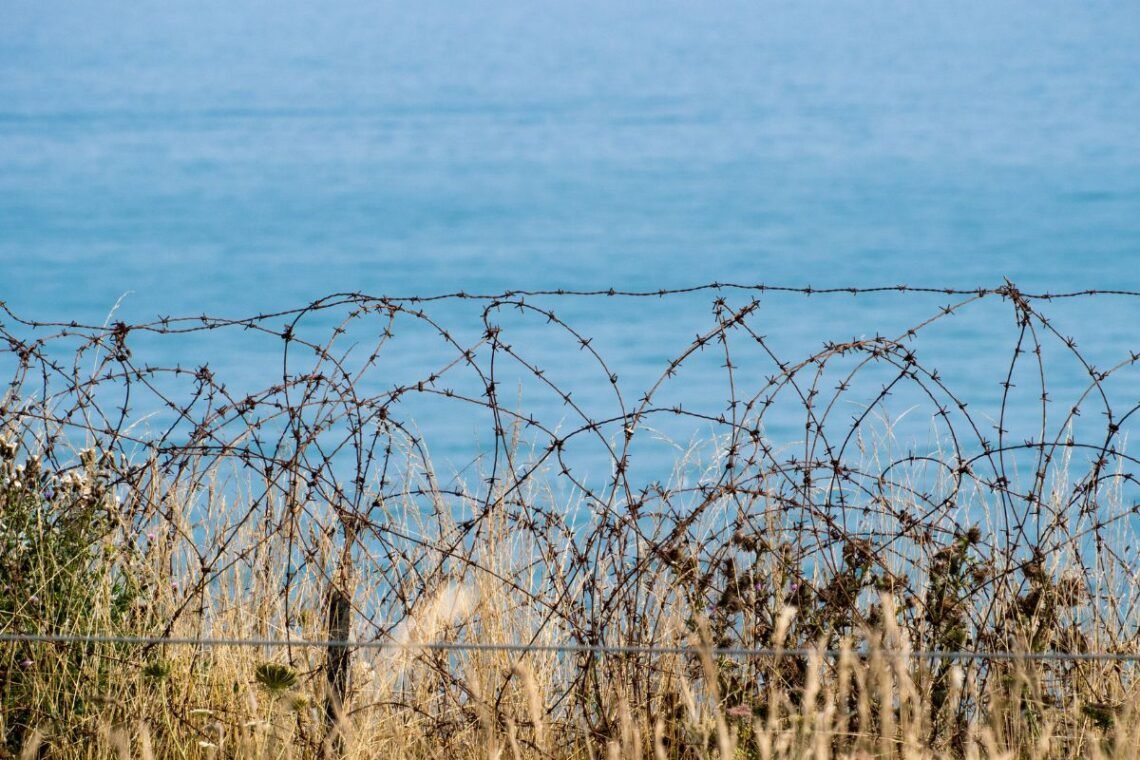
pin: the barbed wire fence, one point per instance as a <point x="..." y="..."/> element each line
<point x="321" y="488"/>
<point x="599" y="649"/>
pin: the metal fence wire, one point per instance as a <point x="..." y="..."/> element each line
<point x="693" y="651"/>
<point x="246" y="473"/>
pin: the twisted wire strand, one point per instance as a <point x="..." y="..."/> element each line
<point x="455" y="646"/>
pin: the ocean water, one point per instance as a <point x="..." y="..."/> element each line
<point x="232" y="158"/>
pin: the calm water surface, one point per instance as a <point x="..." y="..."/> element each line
<point x="230" y="158"/>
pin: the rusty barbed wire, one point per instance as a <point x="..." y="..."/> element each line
<point x="993" y="541"/>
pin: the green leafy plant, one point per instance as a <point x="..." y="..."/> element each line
<point x="55" y="567"/>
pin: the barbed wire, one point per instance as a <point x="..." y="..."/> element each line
<point x="504" y="295"/>
<point x="1013" y="523"/>
<point x="459" y="646"/>
<point x="762" y="288"/>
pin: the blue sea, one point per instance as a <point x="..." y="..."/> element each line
<point x="233" y="158"/>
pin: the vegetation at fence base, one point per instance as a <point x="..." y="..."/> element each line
<point x="79" y="560"/>
<point x="167" y="502"/>
<point x="61" y="571"/>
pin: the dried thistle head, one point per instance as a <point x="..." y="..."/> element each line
<point x="275" y="678"/>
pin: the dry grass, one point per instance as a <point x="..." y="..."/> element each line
<point x="230" y="508"/>
<point x="91" y="563"/>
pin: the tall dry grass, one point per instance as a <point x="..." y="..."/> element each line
<point x="89" y="550"/>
